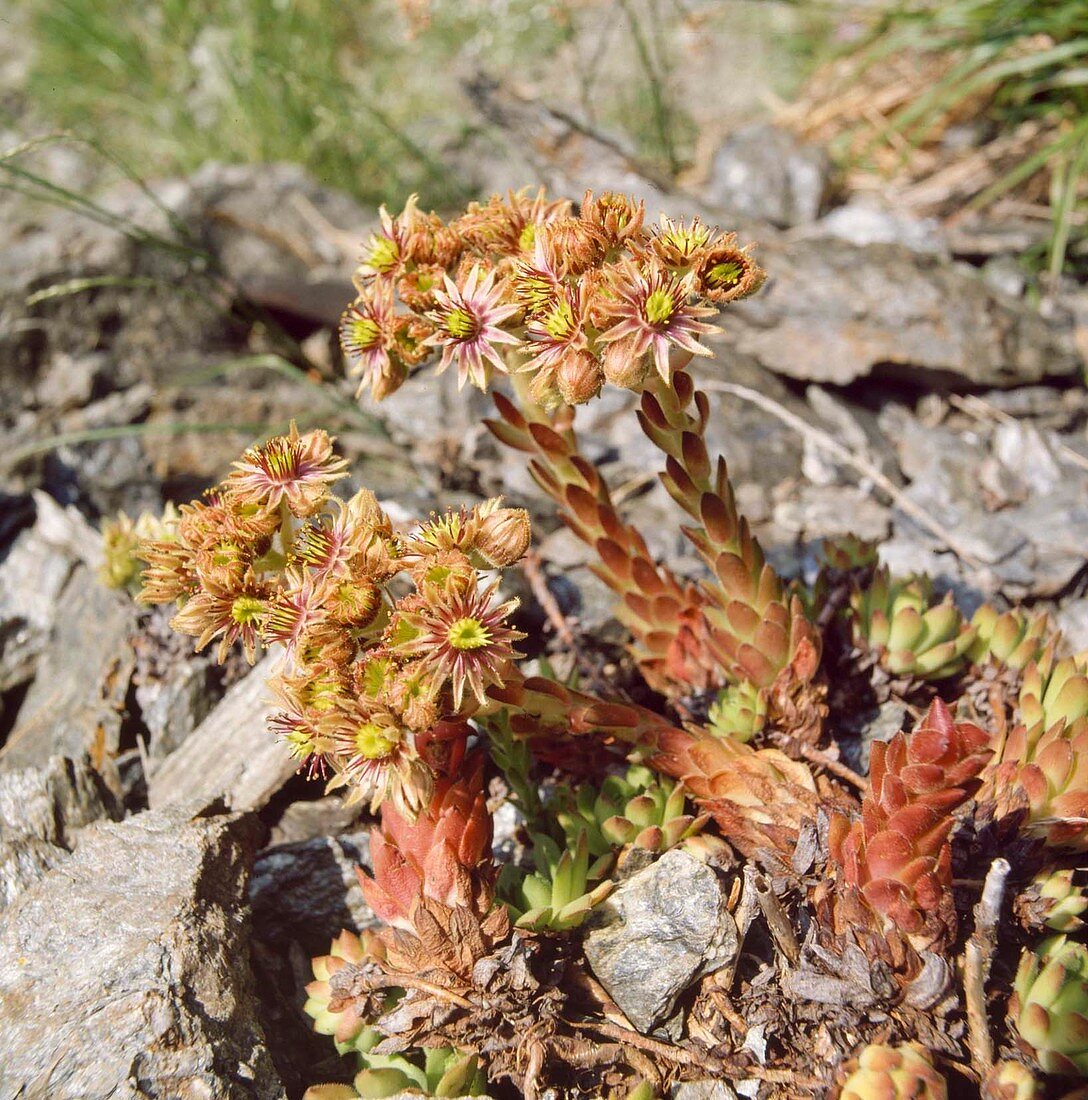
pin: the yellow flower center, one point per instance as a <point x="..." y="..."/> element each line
<point x="469" y="634"/>
<point x="247" y="610"/>
<point x="726" y="273"/>
<point x="373" y="741"/>
<point x="660" y="306"/>
<point x="560" y="321"/>
<point x="527" y="238"/>
<point x="460" y="324"/>
<point x="364" y="332"/>
<point x="383" y="253"/>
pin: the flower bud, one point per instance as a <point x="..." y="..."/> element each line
<point x="579" y="377"/>
<point x="623" y="368"/>
<point x="504" y="536"/>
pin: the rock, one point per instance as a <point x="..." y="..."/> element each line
<point x="314" y="820"/>
<point x="23" y="861"/>
<point x="76" y="703"/>
<point x="828" y="511"/>
<point x="527" y="141"/>
<point x="835" y="312"/>
<point x="302" y="895"/>
<point x="703" y="1090"/>
<point x="307" y="892"/>
<point x="125" y="972"/>
<point x="767" y="174"/>
<point x="175" y="687"/>
<point x="661" y="929"/>
<point x="32" y="576"/>
<point x="1072" y="621"/>
<point x="231" y="757"/>
<point x="861" y="221"/>
<point x="51" y="802"/>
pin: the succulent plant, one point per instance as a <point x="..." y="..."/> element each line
<point x="897" y="857"/>
<point x="1054" y="690"/>
<point x="637" y="810"/>
<point x="913" y="636"/>
<point x="561" y="892"/>
<point x="1049" y="1005"/>
<point x="739" y="712"/>
<point x="846" y="553"/>
<point x="443" y="1072"/>
<point x="1042" y="763"/>
<point x="331" y="1015"/>
<point x="433" y="876"/>
<point x="893" y="1073"/>
<point x="1057" y="899"/>
<point x="1013" y="638"/>
<point x="1008" y="1080"/>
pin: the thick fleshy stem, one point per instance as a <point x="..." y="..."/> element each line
<point x="758" y="797"/>
<point x="664" y="613"/>
<point x="758" y="633"/>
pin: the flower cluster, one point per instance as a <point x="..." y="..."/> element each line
<point x="376" y="683"/>
<point x="525" y="285"/>
<point x="400" y="681"/>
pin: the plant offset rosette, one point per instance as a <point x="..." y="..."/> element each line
<point x="893" y="1073"/>
<point x="1041" y="767"/>
<point x="1049" y="1006"/>
<point x="433" y="877"/>
<point x="897" y="858"/>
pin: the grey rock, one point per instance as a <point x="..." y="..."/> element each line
<point x="834" y="312"/>
<point x="766" y="173"/>
<point x="1072" y="621"/>
<point x="307" y="892"/>
<point x="32" y="576"/>
<point x="1005" y="275"/>
<point x="703" y="1090"/>
<point x="124" y="972"/>
<point x="863" y="222"/>
<point x="313" y="820"/>
<point x="661" y="929"/>
<point x="51" y="802"/>
<point x="230" y="758"/>
<point x="77" y="700"/>
<point x="23" y="861"/>
<point x="827" y="511"/>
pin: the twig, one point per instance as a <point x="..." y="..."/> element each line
<point x="777" y="921"/>
<point x="743" y="917"/>
<point x="862" y="465"/>
<point x="666" y="1051"/>
<point x="983" y="410"/>
<point x="836" y="767"/>
<point x="534" y="574"/>
<point x="978" y="957"/>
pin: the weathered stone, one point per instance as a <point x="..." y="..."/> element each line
<point x="767" y="174"/>
<point x="703" y="1090"/>
<point x="77" y="700"/>
<point x="23" y="861"/>
<point x="834" y="312"/>
<point x="52" y="801"/>
<point x="32" y="576"/>
<point x="1072" y="621"/>
<point x="307" y="892"/>
<point x="230" y="758"/>
<point x="861" y="221"/>
<point x="828" y="511"/>
<point x="314" y="820"/>
<point x="661" y="929"/>
<point x="124" y="972"/>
